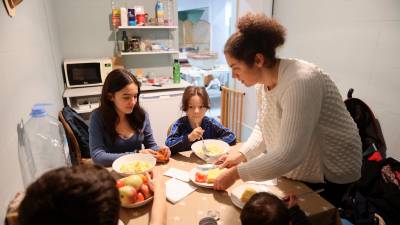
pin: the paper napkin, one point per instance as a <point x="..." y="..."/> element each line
<point x="177" y="190"/>
<point x="178" y="174"/>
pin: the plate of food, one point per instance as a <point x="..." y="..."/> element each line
<point x="205" y="175"/>
<point x="215" y="149"/>
<point x="242" y="193"/>
<point x="135" y="163"/>
<point x="134" y="191"/>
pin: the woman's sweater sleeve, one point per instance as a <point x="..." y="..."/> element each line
<point x="301" y="105"/>
<point x="255" y="144"/>
<point x="149" y="141"/>
<point x="98" y="148"/>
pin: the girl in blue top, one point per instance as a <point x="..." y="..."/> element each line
<point x="120" y="126"/>
<point x="193" y="126"/>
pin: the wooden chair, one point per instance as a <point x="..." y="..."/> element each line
<point x="73" y="142"/>
<point x="232" y="110"/>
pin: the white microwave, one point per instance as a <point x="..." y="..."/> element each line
<point x="86" y="72"/>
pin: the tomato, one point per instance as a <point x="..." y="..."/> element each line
<point x="201" y="177"/>
<point x="120" y="183"/>
<point x="140" y="197"/>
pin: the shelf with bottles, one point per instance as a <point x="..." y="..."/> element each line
<point x="146" y="27"/>
<point x="150" y="52"/>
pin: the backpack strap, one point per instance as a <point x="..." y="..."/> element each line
<point x="350" y="93"/>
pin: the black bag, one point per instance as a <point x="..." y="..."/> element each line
<point x="378" y="191"/>
<point x="80" y="129"/>
<point x="368" y="126"/>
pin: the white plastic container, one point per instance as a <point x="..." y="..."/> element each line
<point x="124" y="17"/>
<point x="42" y="145"/>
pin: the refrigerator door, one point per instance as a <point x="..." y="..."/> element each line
<point x="163" y="109"/>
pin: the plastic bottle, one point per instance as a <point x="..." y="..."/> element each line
<point x="43" y="145"/>
<point x="168" y="13"/>
<point x="124" y="16"/>
<point x="115" y="15"/>
<point x="176" y="74"/>
<point x="160" y="13"/>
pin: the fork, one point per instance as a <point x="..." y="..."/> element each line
<point x="203" y="147"/>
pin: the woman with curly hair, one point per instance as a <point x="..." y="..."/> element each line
<point x="303" y="129"/>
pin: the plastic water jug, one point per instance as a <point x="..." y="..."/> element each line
<point x="42" y="145"/>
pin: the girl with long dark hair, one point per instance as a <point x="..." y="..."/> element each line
<point x="120" y="126"/>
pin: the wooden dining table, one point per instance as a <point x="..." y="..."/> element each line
<point x="196" y="205"/>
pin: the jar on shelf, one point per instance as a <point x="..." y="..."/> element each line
<point x="135" y="44"/>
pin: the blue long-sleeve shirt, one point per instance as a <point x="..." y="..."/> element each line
<point x="103" y="151"/>
<point x="178" y="141"/>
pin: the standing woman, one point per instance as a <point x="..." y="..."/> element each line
<point x="120" y="126"/>
<point x="303" y="129"/>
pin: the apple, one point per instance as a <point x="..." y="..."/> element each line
<point x="127" y="194"/>
<point x="145" y="190"/>
<point x="144" y="178"/>
<point x="120" y="183"/>
<point x="140" y="197"/>
<point x="134" y="181"/>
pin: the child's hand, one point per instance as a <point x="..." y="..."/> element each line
<point x="290" y="200"/>
<point x="196" y="134"/>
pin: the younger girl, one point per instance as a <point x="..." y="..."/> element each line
<point x="195" y="125"/>
<point x="120" y="126"/>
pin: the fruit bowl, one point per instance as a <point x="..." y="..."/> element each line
<point x="135" y="163"/>
<point x="216" y="147"/>
<point x="134" y="191"/>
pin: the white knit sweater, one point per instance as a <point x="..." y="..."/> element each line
<point x="303" y="130"/>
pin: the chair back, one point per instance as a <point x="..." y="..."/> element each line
<point x="72" y="141"/>
<point x="232" y="110"/>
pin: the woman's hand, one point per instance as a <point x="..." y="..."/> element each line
<point x="226" y="179"/>
<point x="233" y="158"/>
<point x="196" y="134"/>
<point x="161" y="155"/>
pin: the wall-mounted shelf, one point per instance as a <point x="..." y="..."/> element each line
<point x="150" y="52"/>
<point x="146" y="27"/>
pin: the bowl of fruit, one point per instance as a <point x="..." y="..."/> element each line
<point x="134" y="191"/>
<point x="135" y="163"/>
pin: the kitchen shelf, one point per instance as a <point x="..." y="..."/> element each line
<point x="150" y="52"/>
<point x="146" y="27"/>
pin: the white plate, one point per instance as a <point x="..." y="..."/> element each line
<point x="130" y="158"/>
<point x="237" y="192"/>
<point x="193" y="178"/>
<point x="198" y="151"/>
<point x="138" y="204"/>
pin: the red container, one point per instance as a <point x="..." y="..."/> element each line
<point x="140" y="19"/>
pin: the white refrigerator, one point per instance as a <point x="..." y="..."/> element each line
<point x="163" y="108"/>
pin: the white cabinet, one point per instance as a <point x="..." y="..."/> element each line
<point x="163" y="109"/>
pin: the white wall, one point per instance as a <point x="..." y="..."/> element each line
<point x="30" y="72"/>
<point x="357" y="43"/>
<point x="250" y="106"/>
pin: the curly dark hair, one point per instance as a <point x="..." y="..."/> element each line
<point x="193" y="91"/>
<point x="115" y="81"/>
<point x="265" y="209"/>
<point x="79" y="195"/>
<point x="256" y="33"/>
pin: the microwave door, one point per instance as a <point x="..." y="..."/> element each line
<point x="84" y="74"/>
